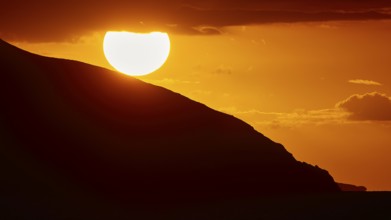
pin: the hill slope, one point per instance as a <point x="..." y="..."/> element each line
<point x="71" y="127"/>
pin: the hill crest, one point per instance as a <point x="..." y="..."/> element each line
<point x="70" y="125"/>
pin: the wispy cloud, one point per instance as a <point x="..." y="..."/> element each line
<point x="296" y="118"/>
<point x="365" y="82"/>
<point x="170" y="81"/>
<point x="372" y="107"/>
<point x="223" y="70"/>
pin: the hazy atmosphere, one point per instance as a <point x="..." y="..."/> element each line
<point x="312" y="75"/>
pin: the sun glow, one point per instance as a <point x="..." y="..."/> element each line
<point x="136" y="54"/>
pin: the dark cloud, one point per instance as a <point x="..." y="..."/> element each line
<point x="370" y="106"/>
<point x="44" y="20"/>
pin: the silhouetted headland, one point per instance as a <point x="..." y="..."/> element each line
<point x="72" y="128"/>
<point x="351" y="188"/>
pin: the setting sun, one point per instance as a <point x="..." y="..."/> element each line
<point x="136" y="54"/>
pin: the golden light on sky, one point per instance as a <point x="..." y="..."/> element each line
<point x="314" y="77"/>
<point x="136" y="54"/>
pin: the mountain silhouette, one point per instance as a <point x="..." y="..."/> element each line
<point x="351" y="188"/>
<point x="69" y="127"/>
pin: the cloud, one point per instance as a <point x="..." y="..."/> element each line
<point x="365" y="82"/>
<point x="293" y="119"/>
<point x="368" y="107"/>
<point x="67" y="20"/>
<point x="223" y="70"/>
<point x="208" y="30"/>
<point x="170" y="81"/>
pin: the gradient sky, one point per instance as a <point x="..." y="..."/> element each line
<point x="312" y="75"/>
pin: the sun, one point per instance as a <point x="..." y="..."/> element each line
<point x="136" y="54"/>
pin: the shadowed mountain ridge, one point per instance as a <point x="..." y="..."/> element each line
<point x="71" y="127"/>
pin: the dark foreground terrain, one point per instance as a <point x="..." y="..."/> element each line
<point x="345" y="205"/>
<point x="82" y="142"/>
<point x="69" y="126"/>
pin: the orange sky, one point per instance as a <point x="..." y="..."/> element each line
<point x="321" y="87"/>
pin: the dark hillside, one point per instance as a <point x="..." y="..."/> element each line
<point x="70" y="128"/>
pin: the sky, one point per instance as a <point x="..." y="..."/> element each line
<point x="312" y="75"/>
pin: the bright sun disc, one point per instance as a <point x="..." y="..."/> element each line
<point x="136" y="54"/>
